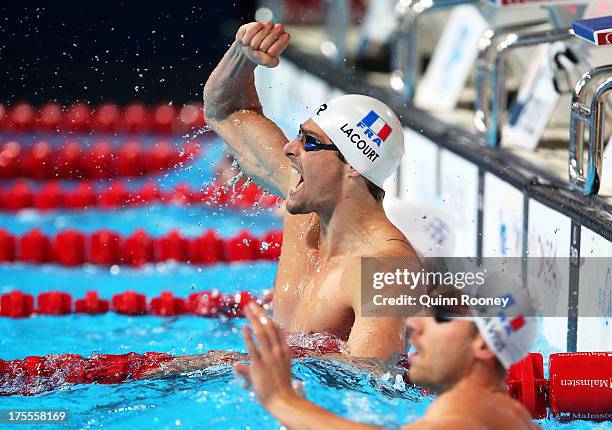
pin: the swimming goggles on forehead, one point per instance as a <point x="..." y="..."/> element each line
<point x="312" y="144"/>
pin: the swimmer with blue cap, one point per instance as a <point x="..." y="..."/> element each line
<point x="331" y="176"/>
<point x="462" y="358"/>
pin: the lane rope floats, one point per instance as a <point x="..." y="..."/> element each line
<point x="579" y="385"/>
<point x="107" y="248"/>
<point x="17" y="304"/>
<point x="106" y="118"/>
<point x="42" y="161"/>
<point x="34" y="375"/>
<point x="578" y="388"/>
<point x="52" y="196"/>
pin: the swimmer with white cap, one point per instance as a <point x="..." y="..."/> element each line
<point x="463" y="359"/>
<point x="331" y="176"/>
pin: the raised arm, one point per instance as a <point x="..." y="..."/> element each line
<point x="233" y="110"/>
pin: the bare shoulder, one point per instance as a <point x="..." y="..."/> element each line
<point x="394" y="250"/>
<point x="490" y="411"/>
<point x="351" y="269"/>
<point x="448" y="412"/>
<point x="446" y="423"/>
<point x="391" y="242"/>
<point x="386" y="260"/>
<point x="383" y="250"/>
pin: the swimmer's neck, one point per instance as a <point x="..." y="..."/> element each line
<point x="349" y="225"/>
<point x="479" y="376"/>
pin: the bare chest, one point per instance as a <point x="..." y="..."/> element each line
<point x="310" y="297"/>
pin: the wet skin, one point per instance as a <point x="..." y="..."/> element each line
<point x="317" y="290"/>
<point x="332" y="220"/>
<point x="452" y="359"/>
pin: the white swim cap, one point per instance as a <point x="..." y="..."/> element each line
<point x="367" y="133"/>
<point x="429" y="228"/>
<point x="511" y="332"/>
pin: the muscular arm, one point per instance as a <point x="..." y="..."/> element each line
<point x="190" y="363"/>
<point x="233" y="110"/>
<point x="379" y="337"/>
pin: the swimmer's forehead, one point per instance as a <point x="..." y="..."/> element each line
<point x="311" y="127"/>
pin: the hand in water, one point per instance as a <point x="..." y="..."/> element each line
<point x="270" y="368"/>
<point x="262" y="43"/>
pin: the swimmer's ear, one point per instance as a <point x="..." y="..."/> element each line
<point x="352" y="173"/>
<point x="481" y="349"/>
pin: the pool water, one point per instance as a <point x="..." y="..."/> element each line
<point x="213" y="398"/>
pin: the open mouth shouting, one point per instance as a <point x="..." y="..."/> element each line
<point x="297" y="186"/>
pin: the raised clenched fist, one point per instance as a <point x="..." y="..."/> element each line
<point x="262" y="43"/>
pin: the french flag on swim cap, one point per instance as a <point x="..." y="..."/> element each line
<point x="515" y="323"/>
<point x="375" y="123"/>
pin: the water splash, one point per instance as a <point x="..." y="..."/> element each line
<point x="319" y="342"/>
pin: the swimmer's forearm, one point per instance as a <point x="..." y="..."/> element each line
<point x="297" y="413"/>
<point x="189" y="363"/>
<point x="231" y="86"/>
<point x="372" y="365"/>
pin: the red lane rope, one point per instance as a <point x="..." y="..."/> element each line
<point x="106" y="118"/>
<point x="17" y="304"/>
<point x="107" y="248"/>
<point x="579" y="385"/>
<point x="34" y="375"/>
<point x="102" y="161"/>
<point x="578" y="389"/>
<point x="115" y="195"/>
